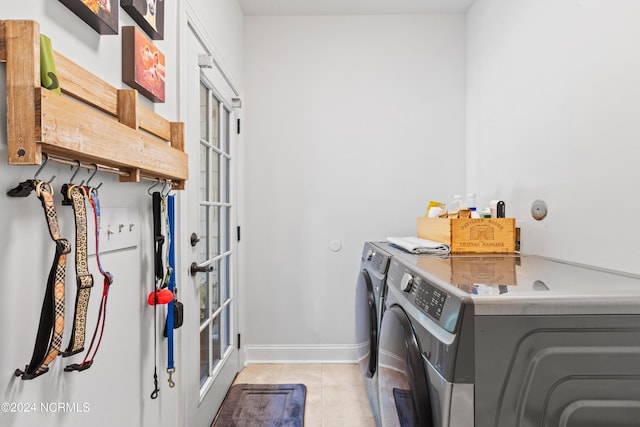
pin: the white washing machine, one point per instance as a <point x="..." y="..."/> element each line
<point x="370" y="285"/>
<point x="508" y="341"/>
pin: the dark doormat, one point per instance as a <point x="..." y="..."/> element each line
<point x="262" y="405"/>
<point x="404" y="406"/>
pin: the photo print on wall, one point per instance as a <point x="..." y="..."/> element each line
<point x="148" y="14"/>
<point x="101" y="15"/>
<point x="142" y="64"/>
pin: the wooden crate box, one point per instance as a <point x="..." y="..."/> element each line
<point x="478" y="235"/>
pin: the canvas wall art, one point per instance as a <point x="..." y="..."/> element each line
<point x="148" y="14"/>
<point x="101" y="15"/>
<point x="143" y="66"/>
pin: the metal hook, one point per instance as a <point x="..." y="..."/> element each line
<point x="152" y="187"/>
<point x="46" y="159"/>
<point x="76" y="173"/>
<point x="166" y="185"/>
<point x="95" y="171"/>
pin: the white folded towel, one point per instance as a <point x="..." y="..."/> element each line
<point x="416" y="245"/>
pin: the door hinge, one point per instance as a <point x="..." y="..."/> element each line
<point x="238" y="341"/>
<point x="238" y="231"/>
<point x="238" y="126"/>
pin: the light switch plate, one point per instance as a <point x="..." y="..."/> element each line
<point x="119" y="229"/>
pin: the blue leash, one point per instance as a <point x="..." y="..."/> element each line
<point x="172" y="286"/>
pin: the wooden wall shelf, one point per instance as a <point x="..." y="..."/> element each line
<point x="91" y="121"/>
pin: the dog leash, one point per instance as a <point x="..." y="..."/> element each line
<point x="158" y="239"/>
<point x="51" y="325"/>
<point x="107" y="282"/>
<point x="172" y="288"/>
<point x="159" y="295"/>
<point x="75" y="195"/>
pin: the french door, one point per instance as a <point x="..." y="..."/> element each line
<point x="214" y="249"/>
<point x="211" y="255"/>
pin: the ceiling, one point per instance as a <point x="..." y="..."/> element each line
<point x="353" y="7"/>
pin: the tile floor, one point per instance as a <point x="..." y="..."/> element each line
<point x="336" y="396"/>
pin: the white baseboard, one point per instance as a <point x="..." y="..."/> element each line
<point x="302" y="353"/>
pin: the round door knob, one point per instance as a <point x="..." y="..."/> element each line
<point x="406" y="282"/>
<point x="195" y="268"/>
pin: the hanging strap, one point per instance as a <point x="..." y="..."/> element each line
<point x="167" y="229"/>
<point x="172" y="287"/>
<point x="84" y="279"/>
<point x="158" y="239"/>
<point x="51" y="326"/>
<point x="108" y="280"/>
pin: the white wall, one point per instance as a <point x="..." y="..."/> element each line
<point x="117" y="387"/>
<point x="553" y="95"/>
<point x="223" y="20"/>
<point x="352" y="124"/>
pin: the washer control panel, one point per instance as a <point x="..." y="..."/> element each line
<point x="378" y="261"/>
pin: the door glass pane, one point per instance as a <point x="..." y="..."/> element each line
<point x="223" y="234"/>
<point x="215" y="341"/>
<point x="204" y="107"/>
<point x="215" y="287"/>
<point x="227" y="121"/>
<point x="225" y="176"/>
<point x="215" y="123"/>
<point x="226" y="277"/>
<point x="203" y="232"/>
<point x="214" y="230"/>
<point x="225" y="229"/>
<point x="203" y="286"/>
<point x="204" y="172"/>
<point x="227" y="328"/>
<point x="215" y="176"/>
<point x="204" y="355"/>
